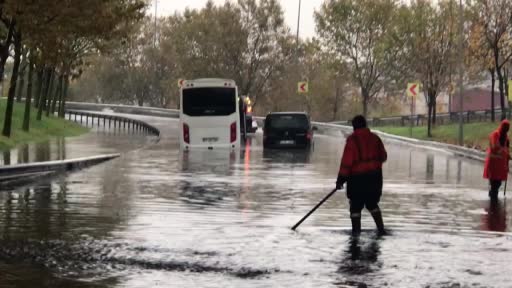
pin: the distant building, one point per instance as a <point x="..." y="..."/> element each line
<point x="477" y="98"/>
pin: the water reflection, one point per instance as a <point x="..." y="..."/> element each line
<point x="161" y="217"/>
<point x="361" y="256"/>
<point x="495" y="217"/>
<point x="459" y="171"/>
<point x="6" y="157"/>
<point x="286" y="156"/>
<point x="206" y="161"/>
<point x="430" y="169"/>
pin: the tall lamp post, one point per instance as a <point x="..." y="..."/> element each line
<point x="461" y="74"/>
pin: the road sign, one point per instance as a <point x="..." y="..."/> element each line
<point x="413" y="89"/>
<point x="510" y="90"/>
<point x="302" y="87"/>
<point x="181" y="82"/>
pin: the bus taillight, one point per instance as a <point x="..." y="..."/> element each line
<point x="233" y="132"/>
<point x="186" y="133"/>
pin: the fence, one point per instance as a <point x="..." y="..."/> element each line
<point x="112" y="121"/>
<point x="421" y="120"/>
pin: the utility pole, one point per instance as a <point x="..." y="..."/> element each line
<point x="155" y="81"/>
<point x="461" y="74"/>
<point x="298" y="24"/>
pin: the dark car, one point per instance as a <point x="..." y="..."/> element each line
<point x="287" y="129"/>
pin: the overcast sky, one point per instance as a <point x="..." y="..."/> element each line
<point x="290" y="7"/>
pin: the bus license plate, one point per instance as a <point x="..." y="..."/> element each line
<point x="210" y="139"/>
<point x="287" y="142"/>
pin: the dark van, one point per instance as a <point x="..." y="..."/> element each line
<point x="287" y="129"/>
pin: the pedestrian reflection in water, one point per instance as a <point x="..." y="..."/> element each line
<point x="495" y="218"/>
<point x="361" y="256"/>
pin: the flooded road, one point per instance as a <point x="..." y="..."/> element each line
<point x="160" y="218"/>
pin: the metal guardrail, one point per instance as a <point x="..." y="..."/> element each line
<point x="112" y="121"/>
<point x="14" y="175"/>
<point x="126" y="109"/>
<point x="421" y="119"/>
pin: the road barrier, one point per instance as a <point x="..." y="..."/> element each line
<point x="13" y="175"/>
<point x="126" y="109"/>
<point x="117" y="122"/>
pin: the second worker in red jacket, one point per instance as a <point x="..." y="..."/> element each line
<point x="361" y="169"/>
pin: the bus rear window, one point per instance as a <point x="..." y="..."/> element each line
<point x="288" y="121"/>
<point x="209" y="101"/>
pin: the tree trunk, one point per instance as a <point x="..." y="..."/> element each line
<point x="500" y="80"/>
<point x="50" y="94"/>
<point x="434" y="112"/>
<point x="39" y="87"/>
<point x="4" y="49"/>
<point x="502" y="96"/>
<point x="12" y="89"/>
<point x="21" y="80"/>
<point x="366" y="99"/>
<point x="62" y="108"/>
<point x="28" y="98"/>
<point x="57" y="94"/>
<point x="42" y="97"/>
<point x="505" y="83"/>
<point x="336" y="100"/>
<point x="429" y="119"/>
<point x="493" y="84"/>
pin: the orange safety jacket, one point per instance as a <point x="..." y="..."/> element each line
<point x="364" y="152"/>
<point x="496" y="162"/>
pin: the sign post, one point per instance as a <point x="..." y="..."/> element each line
<point x="509" y="96"/>
<point x="412" y="91"/>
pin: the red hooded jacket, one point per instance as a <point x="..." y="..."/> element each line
<point x="364" y="152"/>
<point x="496" y="162"/>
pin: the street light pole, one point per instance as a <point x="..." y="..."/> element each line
<point x="298" y="24"/>
<point x="155" y="80"/>
<point x="461" y="74"/>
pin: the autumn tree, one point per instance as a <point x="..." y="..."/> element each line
<point x="430" y="46"/>
<point x="494" y="22"/>
<point x="357" y="32"/>
<point x="62" y="34"/>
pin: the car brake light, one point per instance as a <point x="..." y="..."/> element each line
<point x="232" y="130"/>
<point x="309" y="135"/>
<point x="186" y="133"/>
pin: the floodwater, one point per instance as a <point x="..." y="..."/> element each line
<point x="160" y="218"/>
<point x="100" y="140"/>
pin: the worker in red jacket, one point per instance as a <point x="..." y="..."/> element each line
<point x="496" y="162"/>
<point x="361" y="169"/>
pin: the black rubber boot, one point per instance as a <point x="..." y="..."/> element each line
<point x="493" y="195"/>
<point x="377" y="217"/>
<point x="356" y="225"/>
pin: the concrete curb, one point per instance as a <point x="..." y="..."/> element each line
<point x="11" y="175"/>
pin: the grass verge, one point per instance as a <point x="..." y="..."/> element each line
<point x="39" y="130"/>
<point x="476" y="135"/>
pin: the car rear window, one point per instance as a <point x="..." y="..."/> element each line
<point x="287" y="121"/>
